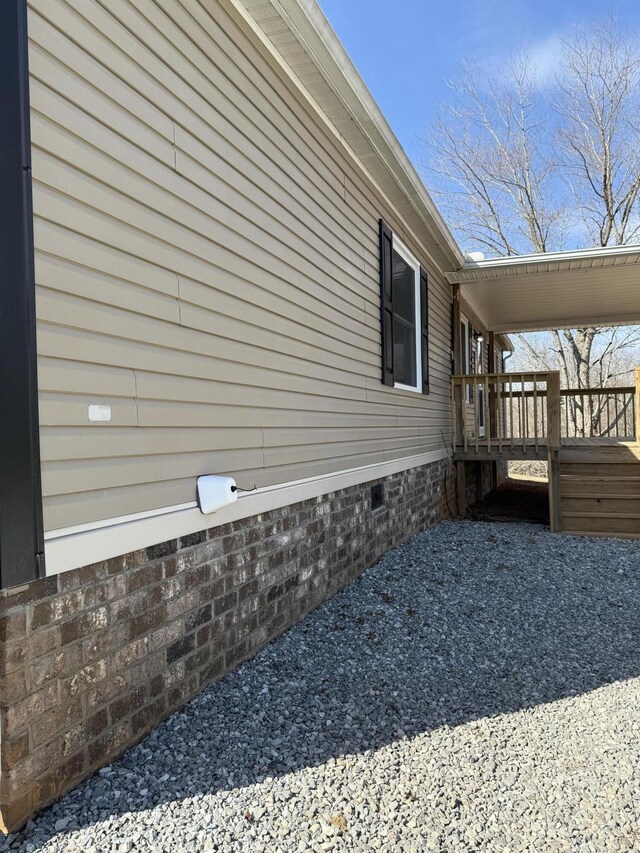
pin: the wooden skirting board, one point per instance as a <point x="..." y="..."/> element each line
<point x="599" y="490"/>
<point x="594" y="484"/>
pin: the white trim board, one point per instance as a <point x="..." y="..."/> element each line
<point x="73" y="547"/>
<point x="409" y="258"/>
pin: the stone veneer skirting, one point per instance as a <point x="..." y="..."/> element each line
<point x="92" y="659"/>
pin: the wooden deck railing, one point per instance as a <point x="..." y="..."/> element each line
<point x="637" y="430"/>
<point x="499" y="412"/>
<point x="598" y="412"/>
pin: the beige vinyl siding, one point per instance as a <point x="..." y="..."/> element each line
<point x="206" y="264"/>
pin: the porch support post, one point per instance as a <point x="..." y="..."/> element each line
<point x="456" y="353"/>
<point x="555" y="505"/>
<point x="21" y="538"/>
<point x="458" y="402"/>
<point x="492" y="352"/>
<point x="455" y="337"/>
<point x="461" y="488"/>
<point x="553" y="410"/>
<point x="493" y="386"/>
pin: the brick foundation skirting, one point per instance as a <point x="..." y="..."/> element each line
<point x="477" y="480"/>
<point x="92" y="659"/>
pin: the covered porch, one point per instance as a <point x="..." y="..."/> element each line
<point x="589" y="437"/>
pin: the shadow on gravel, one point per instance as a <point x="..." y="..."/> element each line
<point x="465" y="621"/>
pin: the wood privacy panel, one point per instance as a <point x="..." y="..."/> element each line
<point x="207" y="265"/>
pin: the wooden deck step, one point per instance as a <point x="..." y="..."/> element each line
<point x="605" y="470"/>
<point x="623" y="505"/>
<point x="603" y="524"/>
<point x="572" y="486"/>
<point x="620" y="454"/>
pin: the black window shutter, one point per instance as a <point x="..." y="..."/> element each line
<point x="386" y="301"/>
<point x="424" y="328"/>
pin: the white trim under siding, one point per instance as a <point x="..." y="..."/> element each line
<point x="72" y="547"/>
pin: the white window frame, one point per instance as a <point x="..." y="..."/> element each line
<point x="409" y="258"/>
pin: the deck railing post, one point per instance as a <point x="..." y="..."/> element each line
<point x="555" y="499"/>
<point x="553" y="410"/>
<point x="553" y="449"/>
<point x="637" y="404"/>
<point x="457" y="403"/>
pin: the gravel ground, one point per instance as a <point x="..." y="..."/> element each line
<point x="477" y="690"/>
<point x="528" y="468"/>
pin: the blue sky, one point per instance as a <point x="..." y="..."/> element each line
<point x="406" y="50"/>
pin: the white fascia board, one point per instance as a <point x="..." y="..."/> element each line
<point x="548" y="261"/>
<point x="577" y="321"/>
<point x="73" y="547"/>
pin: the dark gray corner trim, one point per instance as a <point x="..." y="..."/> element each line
<point x="21" y="536"/>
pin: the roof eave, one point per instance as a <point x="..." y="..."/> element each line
<point x="543" y="262"/>
<point x="323" y="49"/>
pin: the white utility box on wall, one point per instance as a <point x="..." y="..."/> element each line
<point x="215" y="492"/>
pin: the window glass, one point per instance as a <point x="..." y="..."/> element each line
<point x="404" y="322"/>
<point x="404" y="344"/>
<point x="404" y="289"/>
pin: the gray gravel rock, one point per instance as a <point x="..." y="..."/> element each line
<point x="478" y="689"/>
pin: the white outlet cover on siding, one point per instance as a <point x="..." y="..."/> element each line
<point x="215" y="492"/>
<point x="99" y="414"/>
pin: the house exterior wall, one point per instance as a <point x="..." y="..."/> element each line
<point x="93" y="658"/>
<point x="207" y="265"/>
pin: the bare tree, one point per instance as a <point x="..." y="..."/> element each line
<point x="489" y="155"/>
<point x="522" y="167"/>
<point x="599" y="131"/>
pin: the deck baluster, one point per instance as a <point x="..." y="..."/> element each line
<point x="476" y="413"/>
<point x="498" y="396"/>
<point x="525" y="419"/>
<point x="465" y="435"/>
<point x="511" y="412"/>
<point x="485" y="413"/>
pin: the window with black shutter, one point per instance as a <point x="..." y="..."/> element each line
<point x="404" y="300"/>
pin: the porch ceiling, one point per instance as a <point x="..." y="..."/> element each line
<point x="553" y="291"/>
